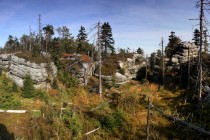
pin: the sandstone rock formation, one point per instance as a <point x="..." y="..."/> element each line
<point x="129" y="67"/>
<point x="181" y="54"/>
<point x="5" y="61"/>
<point x="18" y="69"/>
<point x="81" y="67"/>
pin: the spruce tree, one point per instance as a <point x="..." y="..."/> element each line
<point x="172" y="44"/>
<point x="28" y="87"/>
<point x="159" y="58"/>
<point x="49" y="31"/>
<point x="196" y="37"/>
<point x="152" y="60"/>
<point x="107" y="40"/>
<point x="140" y="51"/>
<point x="82" y="36"/>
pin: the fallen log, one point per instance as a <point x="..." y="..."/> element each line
<point x="92" y="131"/>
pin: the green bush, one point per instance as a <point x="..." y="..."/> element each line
<point x="55" y="84"/>
<point x="28" y="87"/>
<point x="73" y="124"/>
<point x="144" y="81"/>
<point x="112" y="121"/>
<point x="8" y="102"/>
<point x="5" y="82"/>
<point x="14" y="87"/>
<point x="66" y="78"/>
<point x="41" y="95"/>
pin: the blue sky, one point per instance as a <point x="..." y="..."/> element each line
<point x="135" y="23"/>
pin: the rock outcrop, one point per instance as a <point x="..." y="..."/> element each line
<point x="81" y="67"/>
<point x="127" y="71"/>
<point x="181" y="54"/>
<point x="5" y="61"/>
<point x="131" y="66"/>
<point x="18" y="69"/>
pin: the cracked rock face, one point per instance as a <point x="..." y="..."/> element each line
<point x="19" y="68"/>
<point x="181" y="55"/>
<point x="130" y="70"/>
<point x="4" y="61"/>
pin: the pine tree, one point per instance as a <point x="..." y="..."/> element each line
<point x="107" y="40"/>
<point x="172" y="44"/>
<point x="82" y="44"/>
<point x="140" y="51"/>
<point x="49" y="31"/>
<point x="152" y="60"/>
<point x="28" y="87"/>
<point x="82" y="36"/>
<point x="159" y="58"/>
<point x="196" y="37"/>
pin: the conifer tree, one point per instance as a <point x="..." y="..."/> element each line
<point x="196" y="37"/>
<point x="107" y="40"/>
<point x="140" y="51"/>
<point x="82" y="36"/>
<point x="172" y="44"/>
<point x="49" y="31"/>
<point x="152" y="60"/>
<point x="28" y="87"/>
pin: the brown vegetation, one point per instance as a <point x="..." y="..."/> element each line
<point x="36" y="59"/>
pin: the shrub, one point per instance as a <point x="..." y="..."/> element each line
<point x="55" y="84"/>
<point x="74" y="124"/>
<point x="5" y="82"/>
<point x="41" y="95"/>
<point x="14" y="87"/>
<point x="28" y="87"/>
<point x="122" y="71"/>
<point x="144" y="81"/>
<point x="8" y="102"/>
<point x="141" y="74"/>
<point x="112" y="121"/>
<point x="66" y="78"/>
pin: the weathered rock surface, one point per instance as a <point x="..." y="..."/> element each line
<point x="181" y="54"/>
<point x="19" y="68"/>
<point x="4" y="61"/>
<point x="81" y="67"/>
<point x="129" y="67"/>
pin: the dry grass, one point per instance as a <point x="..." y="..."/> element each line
<point x="16" y="124"/>
<point x="28" y="57"/>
